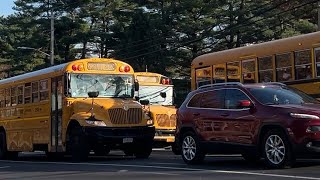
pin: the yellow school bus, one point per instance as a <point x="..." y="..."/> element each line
<point x="158" y="90"/>
<point x="294" y="61"/>
<point x="74" y="108"/>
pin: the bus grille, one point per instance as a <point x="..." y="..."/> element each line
<point x="163" y="120"/>
<point x="121" y="116"/>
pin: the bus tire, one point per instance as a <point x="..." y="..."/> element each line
<point x="3" y="145"/>
<point x="79" y="146"/>
<point x="4" y="153"/>
<point x="143" y="149"/>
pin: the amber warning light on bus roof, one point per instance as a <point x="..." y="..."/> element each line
<point x="124" y="68"/>
<point x="77" y="67"/>
<point x="165" y="81"/>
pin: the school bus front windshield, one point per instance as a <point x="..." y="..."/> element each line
<point x="108" y="85"/>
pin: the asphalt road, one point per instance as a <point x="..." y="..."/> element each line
<point x="162" y="164"/>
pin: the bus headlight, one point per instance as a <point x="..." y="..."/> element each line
<point x="96" y="123"/>
<point x="150" y="122"/>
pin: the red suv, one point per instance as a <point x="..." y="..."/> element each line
<point x="270" y="121"/>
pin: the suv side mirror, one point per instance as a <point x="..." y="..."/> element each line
<point x="93" y="94"/>
<point x="245" y="104"/>
<point x="163" y="94"/>
<point x="144" y="102"/>
<point x="136" y="86"/>
<point x="137" y="98"/>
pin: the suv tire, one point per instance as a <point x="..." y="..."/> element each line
<point x="190" y="149"/>
<point x="276" y="149"/>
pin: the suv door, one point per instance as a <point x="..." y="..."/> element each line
<point x="209" y="122"/>
<point x="241" y="122"/>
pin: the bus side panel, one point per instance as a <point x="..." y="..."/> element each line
<point x="22" y="133"/>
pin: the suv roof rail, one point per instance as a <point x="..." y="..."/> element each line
<point x="275" y="83"/>
<point x="221" y="84"/>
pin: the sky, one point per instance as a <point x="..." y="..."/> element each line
<point x="6" y="7"/>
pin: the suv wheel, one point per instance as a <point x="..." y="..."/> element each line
<point x="190" y="149"/>
<point x="276" y="150"/>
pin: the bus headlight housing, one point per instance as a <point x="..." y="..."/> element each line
<point x="96" y="123"/>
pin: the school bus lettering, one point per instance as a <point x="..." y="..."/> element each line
<point x="101" y="66"/>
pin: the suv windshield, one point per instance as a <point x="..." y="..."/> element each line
<point x="107" y="85"/>
<point x="281" y="95"/>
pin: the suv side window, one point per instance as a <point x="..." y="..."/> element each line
<point x="213" y="99"/>
<point x="233" y="96"/>
<point x="195" y="100"/>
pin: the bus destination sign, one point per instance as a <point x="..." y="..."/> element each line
<point x="101" y="66"/>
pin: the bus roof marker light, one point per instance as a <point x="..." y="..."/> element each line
<point x="74" y="67"/>
<point x="121" y="68"/>
<point x="126" y="68"/>
<point x="80" y="67"/>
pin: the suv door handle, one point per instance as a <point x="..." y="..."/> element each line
<point x="225" y="114"/>
<point x="196" y="114"/>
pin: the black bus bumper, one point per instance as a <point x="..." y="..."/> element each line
<point x="114" y="136"/>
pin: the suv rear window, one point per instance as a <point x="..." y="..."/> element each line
<point x="213" y="99"/>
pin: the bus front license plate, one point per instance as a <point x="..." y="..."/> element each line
<point x="127" y="140"/>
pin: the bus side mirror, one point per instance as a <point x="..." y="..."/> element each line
<point x="136" y="86"/>
<point x="144" y="102"/>
<point x="93" y="94"/>
<point x="163" y="94"/>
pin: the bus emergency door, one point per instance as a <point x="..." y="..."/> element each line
<point x="56" y="114"/>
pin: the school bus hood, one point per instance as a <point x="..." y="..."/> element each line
<point x="158" y="109"/>
<point x="105" y="104"/>
<point x="164" y="116"/>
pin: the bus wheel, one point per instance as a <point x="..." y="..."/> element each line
<point x="143" y="150"/>
<point x="79" y="147"/>
<point x="4" y="153"/>
<point x="3" y="145"/>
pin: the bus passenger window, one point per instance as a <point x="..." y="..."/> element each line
<point x="284" y="67"/>
<point x="27" y="93"/>
<point x="302" y="61"/>
<point x="248" y="71"/>
<point x="35" y="92"/>
<point x="14" y="96"/>
<point x="317" y="60"/>
<point x="2" y="98"/>
<point x="203" y="76"/>
<point x="8" y="98"/>
<point x="265" y="69"/>
<point x="20" y="94"/>
<point x="44" y="94"/>
<point x="233" y="72"/>
<point x="219" y="73"/>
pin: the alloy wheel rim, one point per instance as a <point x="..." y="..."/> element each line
<point x="189" y="148"/>
<point x="275" y="149"/>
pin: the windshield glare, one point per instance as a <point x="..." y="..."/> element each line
<point x="152" y="93"/>
<point x="278" y="95"/>
<point x="107" y="85"/>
